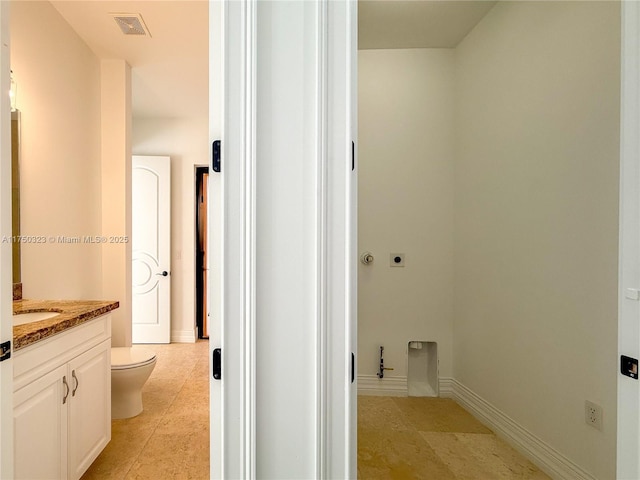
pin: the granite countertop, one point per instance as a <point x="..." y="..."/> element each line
<point x="72" y="313"/>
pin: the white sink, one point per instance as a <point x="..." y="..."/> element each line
<point x="22" y="318"/>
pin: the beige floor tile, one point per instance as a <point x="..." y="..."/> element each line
<point x="202" y="368"/>
<point x="380" y="413"/>
<point x="197" y="383"/>
<point x="170" y="455"/>
<point x="157" y="401"/>
<point x="183" y="423"/>
<point x="398" y="438"/>
<point x="427" y="414"/>
<point x="117" y="458"/>
<point x="432" y="438"/>
<point x="189" y="402"/>
<point x="392" y="454"/>
<point x="481" y="457"/>
<point x="170" y="438"/>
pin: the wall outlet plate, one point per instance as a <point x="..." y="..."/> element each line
<point x="396" y="260"/>
<point x="593" y="414"/>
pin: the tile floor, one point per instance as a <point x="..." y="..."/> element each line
<point x="398" y="438"/>
<point x="432" y="438"/>
<point x="170" y="438"/>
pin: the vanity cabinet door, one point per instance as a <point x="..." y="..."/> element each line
<point x="62" y="402"/>
<point x="89" y="407"/>
<point x="39" y="423"/>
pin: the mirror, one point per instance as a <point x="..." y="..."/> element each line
<point x="15" y="194"/>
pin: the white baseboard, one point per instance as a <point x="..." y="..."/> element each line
<point x="549" y="460"/>
<point x="395" y="386"/>
<point x="445" y="386"/>
<point x="183" y="336"/>
<point x="386" y="387"/>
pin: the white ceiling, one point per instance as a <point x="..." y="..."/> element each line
<point x="417" y="24"/>
<point x="170" y="70"/>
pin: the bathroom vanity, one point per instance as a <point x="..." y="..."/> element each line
<point x="62" y="387"/>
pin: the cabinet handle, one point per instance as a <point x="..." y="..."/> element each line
<point x="66" y="394"/>
<point x="73" y="374"/>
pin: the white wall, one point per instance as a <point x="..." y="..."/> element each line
<point x="405" y="136"/>
<point x="58" y="80"/>
<point x="116" y="193"/>
<point x="186" y="141"/>
<point x="536" y="220"/>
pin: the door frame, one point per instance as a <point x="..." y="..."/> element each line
<point x="233" y="397"/>
<point x="628" y="421"/>
<point x="217" y="13"/>
<point x="201" y="172"/>
<point x="628" y="431"/>
<point x="6" y="281"/>
<point x="233" y="439"/>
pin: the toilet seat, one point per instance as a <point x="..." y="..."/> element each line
<point x="124" y="358"/>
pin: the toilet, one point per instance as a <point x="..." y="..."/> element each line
<point x="130" y="368"/>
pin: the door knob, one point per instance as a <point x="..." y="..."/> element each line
<point x="164" y="273"/>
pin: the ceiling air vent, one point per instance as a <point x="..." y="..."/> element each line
<point x="131" y="23"/>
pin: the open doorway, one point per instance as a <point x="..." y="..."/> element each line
<point x="481" y="164"/>
<point x="163" y="85"/>
<point x="202" y="203"/>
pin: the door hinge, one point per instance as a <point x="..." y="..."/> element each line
<point x="353" y="156"/>
<point x="215" y="154"/>
<point x="353" y="367"/>
<point x="5" y="351"/>
<point x="216" y="365"/>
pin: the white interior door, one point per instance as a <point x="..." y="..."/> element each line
<point x="150" y="249"/>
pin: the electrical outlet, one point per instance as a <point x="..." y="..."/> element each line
<point x="593" y="414"/>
